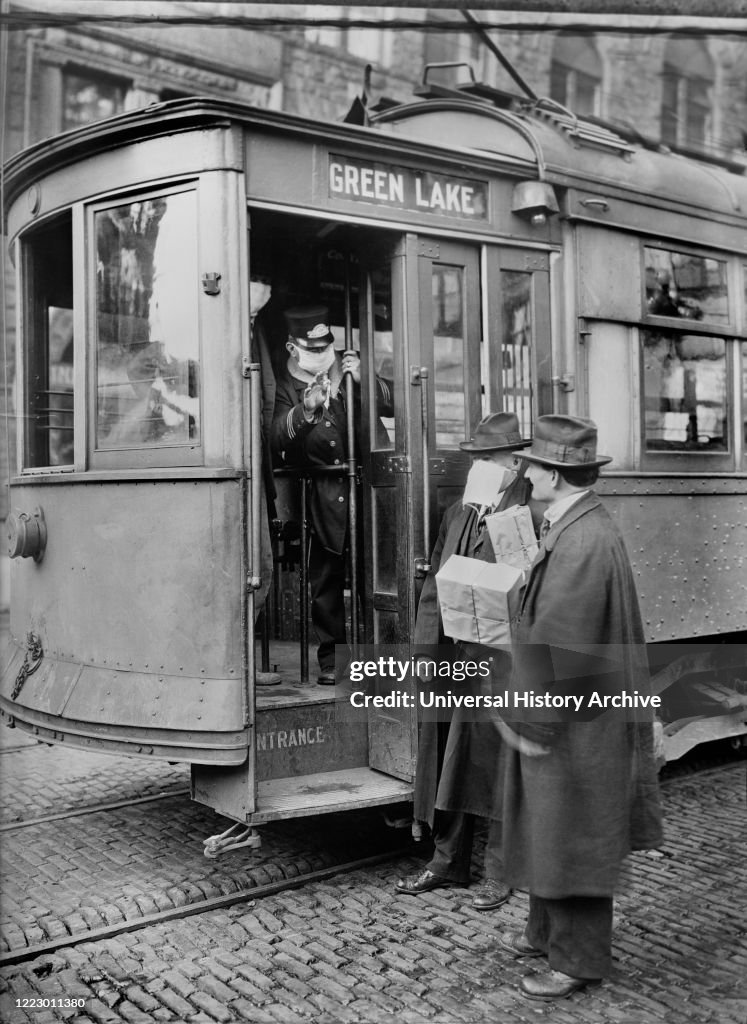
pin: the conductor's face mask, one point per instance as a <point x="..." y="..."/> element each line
<point x="313" y="361"/>
<point x="485" y="481"/>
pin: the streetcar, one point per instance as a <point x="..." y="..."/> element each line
<point x="480" y="253"/>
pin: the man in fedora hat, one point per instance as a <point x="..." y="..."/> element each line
<point x="586" y="793"/>
<point x="457" y="763"/>
<point x="309" y="429"/>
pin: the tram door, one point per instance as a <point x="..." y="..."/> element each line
<point x="420" y="330"/>
<point x="455" y="332"/>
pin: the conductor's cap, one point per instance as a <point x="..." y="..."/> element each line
<point x="309" y="326"/>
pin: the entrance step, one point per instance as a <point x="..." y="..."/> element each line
<point x="324" y="792"/>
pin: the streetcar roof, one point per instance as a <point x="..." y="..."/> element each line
<point x="536" y="140"/>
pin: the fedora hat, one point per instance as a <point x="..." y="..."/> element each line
<point x="568" y="442"/>
<point x="309" y="326"/>
<point x="495" y="433"/>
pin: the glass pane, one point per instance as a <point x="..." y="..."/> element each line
<point x="744" y="392"/>
<point x="448" y="356"/>
<point x="586" y="94"/>
<point x="382" y="408"/>
<point x="87" y="98"/>
<point x="516" y="346"/>
<point x="680" y="284"/>
<point x="49" y="398"/>
<point x="146" y="317"/>
<point x="685" y="389"/>
<point x="385" y="540"/>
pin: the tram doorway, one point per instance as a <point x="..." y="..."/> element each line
<point x="446" y="331"/>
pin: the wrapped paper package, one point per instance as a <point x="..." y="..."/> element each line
<point x="478" y="599"/>
<point x="512" y="535"/>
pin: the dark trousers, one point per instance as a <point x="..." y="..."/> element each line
<point x="576" y="933"/>
<point x="453" y="834"/>
<point x="327" y="585"/>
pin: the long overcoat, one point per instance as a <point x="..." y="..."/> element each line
<point x="571" y="816"/>
<point x="465" y="781"/>
<point x="320" y="445"/>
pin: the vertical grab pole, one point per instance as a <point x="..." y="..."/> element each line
<point x="303" y="581"/>
<point x="424" y="412"/>
<point x="254" y="580"/>
<point x="352" y="467"/>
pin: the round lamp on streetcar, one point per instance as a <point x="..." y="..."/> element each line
<point x="534" y="201"/>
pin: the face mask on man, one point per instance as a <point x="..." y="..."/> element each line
<point x="314" y="361"/>
<point x="485" y="481"/>
<point x="259" y="296"/>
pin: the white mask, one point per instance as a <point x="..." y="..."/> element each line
<point x="259" y="296"/>
<point x="315" y="362"/>
<point x="485" y="481"/>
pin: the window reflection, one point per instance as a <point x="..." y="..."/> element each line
<point x="147" y="337"/>
<point x="685" y="387"/>
<point x="683" y="285"/>
<point x="516" y="346"/>
<point x="448" y="356"/>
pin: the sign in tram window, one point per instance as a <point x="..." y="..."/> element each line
<point x="516" y="346"/>
<point x="148" y="372"/>
<point x="684" y="285"/>
<point x="448" y="355"/>
<point x="685" y="392"/>
<point x="48" y="345"/>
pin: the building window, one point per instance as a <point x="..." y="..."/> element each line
<point x="687" y="81"/>
<point x="89" y="97"/>
<point x="576" y="75"/>
<point x="370" y="44"/>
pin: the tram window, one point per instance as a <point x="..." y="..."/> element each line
<point x="382" y="427"/>
<point x="49" y="400"/>
<point x="148" y="371"/>
<point x="448" y="355"/>
<point x="744" y="392"/>
<point x="385" y="554"/>
<point x="516" y="346"/>
<point x="685" y="285"/>
<point x="685" y="391"/>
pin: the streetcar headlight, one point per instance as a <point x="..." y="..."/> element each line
<point x="534" y="201"/>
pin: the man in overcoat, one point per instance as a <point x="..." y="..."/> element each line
<point x="457" y="764"/>
<point x="309" y="430"/>
<point x="587" y="793"/>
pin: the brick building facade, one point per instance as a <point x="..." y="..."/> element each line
<point x="688" y="91"/>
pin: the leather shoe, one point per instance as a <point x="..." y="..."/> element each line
<point x="424" y="882"/>
<point x="326" y="679"/>
<point x="491" y="895"/>
<point x="554" y="985"/>
<point x="515" y="943"/>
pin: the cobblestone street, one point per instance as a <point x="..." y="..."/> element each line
<point x="343" y="947"/>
